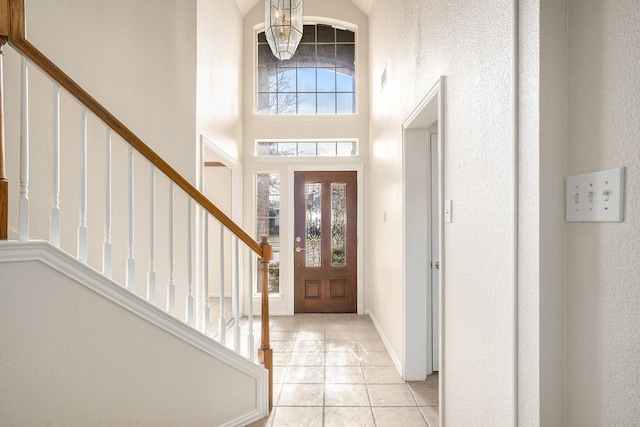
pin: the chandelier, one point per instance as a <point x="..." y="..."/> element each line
<point x="283" y="26"/>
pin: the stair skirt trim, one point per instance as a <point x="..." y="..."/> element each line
<point x="45" y="252"/>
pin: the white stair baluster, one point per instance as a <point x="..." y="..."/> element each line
<point x="23" y="233"/>
<point x="171" y="287"/>
<point x="222" y="325"/>
<point x="82" y="226"/>
<point x="205" y="280"/>
<point x="189" y="311"/>
<point x="55" y="198"/>
<point x="151" y="277"/>
<point x="236" y="298"/>
<point x="250" y="338"/>
<point x="107" y="266"/>
<point x="131" y="262"/>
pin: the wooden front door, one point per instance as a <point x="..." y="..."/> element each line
<point x="325" y="242"/>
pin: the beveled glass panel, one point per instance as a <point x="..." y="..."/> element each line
<point x="338" y="224"/>
<point x="313" y="224"/>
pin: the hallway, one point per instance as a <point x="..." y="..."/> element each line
<point x="334" y="370"/>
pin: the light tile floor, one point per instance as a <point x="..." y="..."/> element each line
<point x="334" y="370"/>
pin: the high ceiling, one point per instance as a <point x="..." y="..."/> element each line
<point x="246" y="5"/>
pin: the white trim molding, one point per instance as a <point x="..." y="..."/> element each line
<point x="46" y="253"/>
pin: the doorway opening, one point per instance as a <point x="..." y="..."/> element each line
<point x="423" y="243"/>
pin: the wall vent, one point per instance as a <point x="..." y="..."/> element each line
<point x="383" y="78"/>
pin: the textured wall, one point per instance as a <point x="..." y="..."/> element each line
<point x="469" y="43"/>
<point x="71" y="357"/>
<point x="603" y="267"/>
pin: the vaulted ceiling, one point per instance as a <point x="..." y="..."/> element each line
<point x="246" y="5"/>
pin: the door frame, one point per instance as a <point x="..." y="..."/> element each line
<point x="290" y="274"/>
<point x="417" y="308"/>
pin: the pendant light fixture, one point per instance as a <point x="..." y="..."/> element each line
<point x="283" y="26"/>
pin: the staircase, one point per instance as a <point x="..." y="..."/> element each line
<point x="108" y="257"/>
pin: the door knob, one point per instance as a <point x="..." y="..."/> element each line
<point x="299" y="249"/>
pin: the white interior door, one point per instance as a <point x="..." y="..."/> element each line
<point x="435" y="250"/>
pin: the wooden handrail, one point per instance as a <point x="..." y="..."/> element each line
<point x="12" y="30"/>
<point x="27" y="49"/>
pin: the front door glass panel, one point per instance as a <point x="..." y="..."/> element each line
<point x="313" y="197"/>
<point x="338" y="224"/>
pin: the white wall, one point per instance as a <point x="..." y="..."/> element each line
<point x="542" y="229"/>
<point x="137" y="58"/>
<point x="471" y="45"/>
<point x="71" y="357"/>
<point x="219" y="94"/>
<point x="603" y="272"/>
<point x="304" y="127"/>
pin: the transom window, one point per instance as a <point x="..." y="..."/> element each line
<point x="318" y="79"/>
<point x="306" y="148"/>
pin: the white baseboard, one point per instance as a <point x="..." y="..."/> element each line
<point x="387" y="344"/>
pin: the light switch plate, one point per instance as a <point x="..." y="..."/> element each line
<point x="596" y="197"/>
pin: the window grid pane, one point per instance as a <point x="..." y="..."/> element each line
<point x="320" y="76"/>
<point x="306" y="148"/>
<point x="268" y="222"/>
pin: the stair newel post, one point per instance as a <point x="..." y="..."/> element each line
<point x="4" y="183"/>
<point x="265" y="354"/>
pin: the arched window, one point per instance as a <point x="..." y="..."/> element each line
<point x="318" y="79"/>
